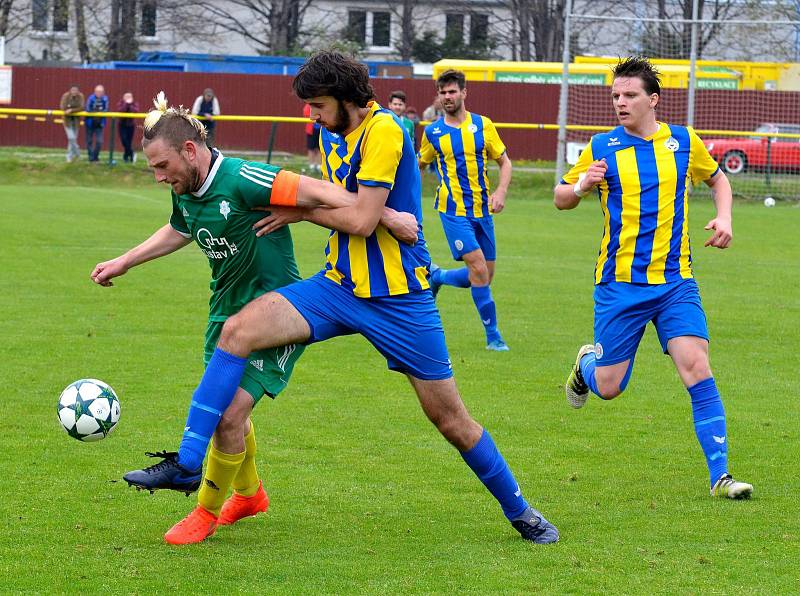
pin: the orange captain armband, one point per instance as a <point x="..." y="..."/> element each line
<point x="284" y="189"/>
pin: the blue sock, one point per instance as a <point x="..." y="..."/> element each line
<point x="211" y="398"/>
<point x="488" y="465"/>
<point x="482" y="297"/>
<point x="454" y="277"/>
<point x="709" y="426"/>
<point x="589" y="363"/>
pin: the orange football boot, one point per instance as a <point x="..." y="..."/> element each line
<point x="195" y="527"/>
<point x="237" y="506"/>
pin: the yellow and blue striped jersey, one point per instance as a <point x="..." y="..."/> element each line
<point x="377" y="153"/>
<point x="461" y="154"/>
<point x="644" y="199"/>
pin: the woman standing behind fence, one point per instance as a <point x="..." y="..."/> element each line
<point x="127" y="126"/>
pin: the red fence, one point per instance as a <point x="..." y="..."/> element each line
<point x="264" y="95"/>
<point x="271" y="95"/>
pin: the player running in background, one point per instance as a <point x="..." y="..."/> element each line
<point x="641" y="171"/>
<point x="213" y="198"/>
<point x="462" y="143"/>
<point x="371" y="284"/>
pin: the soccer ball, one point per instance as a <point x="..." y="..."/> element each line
<point x="769" y="202"/>
<point x="88" y="410"/>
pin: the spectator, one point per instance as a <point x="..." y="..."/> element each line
<point x="312" y="141"/>
<point x="207" y="105"/>
<point x="71" y="102"/>
<point x="97" y="102"/>
<point x="127" y="126"/>
<point x="413" y="115"/>
<point x="434" y="111"/>
<point x="397" y="103"/>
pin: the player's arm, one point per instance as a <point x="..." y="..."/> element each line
<point x="426" y="152"/>
<point x="164" y="241"/>
<point x="585" y="175"/>
<point x="360" y="217"/>
<point x="704" y="167"/>
<point x="294" y="198"/>
<point x="722" y="224"/>
<point x="289" y="189"/>
<point x="497" y="201"/>
<point x="380" y="156"/>
<point x="402" y="225"/>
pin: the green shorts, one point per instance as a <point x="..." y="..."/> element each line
<point x="267" y="372"/>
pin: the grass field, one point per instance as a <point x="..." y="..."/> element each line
<point x="366" y="497"/>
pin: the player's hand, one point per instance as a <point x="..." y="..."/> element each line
<point x="497" y="201"/>
<point x="401" y="224"/>
<point x="723" y="232"/>
<point x="104" y="272"/>
<point x="276" y="219"/>
<point x="594" y="175"/>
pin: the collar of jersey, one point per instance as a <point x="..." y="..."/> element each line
<point x="663" y="131"/>
<point x="210" y="177"/>
<point x="373" y="108"/>
<point x="467" y="122"/>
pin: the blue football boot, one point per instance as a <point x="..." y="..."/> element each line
<point x="167" y="474"/>
<point x="534" y="527"/>
<point x="497" y="345"/>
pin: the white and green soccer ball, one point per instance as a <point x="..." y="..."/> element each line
<point x="88" y="410"/>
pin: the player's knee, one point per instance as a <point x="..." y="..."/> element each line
<point x="479" y="274"/>
<point x="234" y="337"/>
<point x="230" y="430"/>
<point x="608" y="388"/>
<point x="696" y="370"/>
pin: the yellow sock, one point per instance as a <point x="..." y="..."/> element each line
<point x="246" y="481"/>
<point x="220" y="471"/>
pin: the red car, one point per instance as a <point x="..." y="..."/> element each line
<point x="735" y="155"/>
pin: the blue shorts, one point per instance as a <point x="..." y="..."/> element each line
<point x="406" y="329"/>
<point x="465" y="234"/>
<point x="622" y="310"/>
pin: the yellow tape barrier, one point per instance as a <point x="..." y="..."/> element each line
<point x="40" y="116"/>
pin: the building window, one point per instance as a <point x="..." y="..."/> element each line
<point x="381" y="29"/>
<point x="61" y="15"/>
<point x="42" y="20"/>
<point x="39" y="10"/>
<point x="478" y="29"/>
<point x="356" y="26"/>
<point x="454" y="27"/>
<point x="148" y="22"/>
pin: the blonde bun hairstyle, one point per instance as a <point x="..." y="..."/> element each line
<point x="175" y="125"/>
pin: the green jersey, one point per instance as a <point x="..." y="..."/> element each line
<point x="220" y="217"/>
<point x="408" y="124"/>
